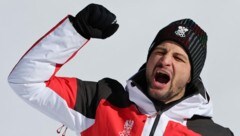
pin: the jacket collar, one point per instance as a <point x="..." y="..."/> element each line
<point x="195" y="103"/>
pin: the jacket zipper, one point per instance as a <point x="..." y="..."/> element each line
<point x="155" y="123"/>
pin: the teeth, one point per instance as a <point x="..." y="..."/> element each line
<point x="161" y="72"/>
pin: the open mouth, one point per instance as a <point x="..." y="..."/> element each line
<point x="162" y="78"/>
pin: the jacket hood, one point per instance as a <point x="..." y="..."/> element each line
<point x="196" y="101"/>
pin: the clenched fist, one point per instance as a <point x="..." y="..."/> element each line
<point x="95" y="21"/>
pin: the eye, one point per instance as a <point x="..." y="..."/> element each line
<point x="159" y="52"/>
<point x="177" y="58"/>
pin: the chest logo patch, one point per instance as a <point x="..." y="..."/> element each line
<point x="127" y="128"/>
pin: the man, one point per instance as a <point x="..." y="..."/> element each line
<point x="165" y="97"/>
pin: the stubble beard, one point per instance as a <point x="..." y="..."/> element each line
<point x="168" y="96"/>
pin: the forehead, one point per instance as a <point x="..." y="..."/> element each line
<point x="171" y="46"/>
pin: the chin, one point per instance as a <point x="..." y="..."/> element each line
<point x="157" y="93"/>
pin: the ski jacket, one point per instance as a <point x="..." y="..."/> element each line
<point x="104" y="107"/>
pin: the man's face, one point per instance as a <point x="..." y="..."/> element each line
<point x="168" y="71"/>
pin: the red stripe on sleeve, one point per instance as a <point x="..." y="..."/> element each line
<point x="36" y="43"/>
<point x="64" y="87"/>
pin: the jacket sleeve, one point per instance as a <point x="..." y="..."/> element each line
<point x="33" y="78"/>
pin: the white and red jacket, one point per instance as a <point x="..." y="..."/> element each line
<point x="105" y="107"/>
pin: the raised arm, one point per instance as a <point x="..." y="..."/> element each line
<point x="33" y="78"/>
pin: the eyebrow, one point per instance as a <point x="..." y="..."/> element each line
<point x="178" y="54"/>
<point x="184" y="57"/>
<point x="160" y="48"/>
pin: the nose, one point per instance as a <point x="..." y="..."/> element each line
<point x="166" y="60"/>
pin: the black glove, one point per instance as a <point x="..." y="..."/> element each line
<point x="95" y="21"/>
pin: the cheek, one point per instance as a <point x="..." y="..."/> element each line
<point x="188" y="73"/>
<point x="151" y="64"/>
<point x="183" y="75"/>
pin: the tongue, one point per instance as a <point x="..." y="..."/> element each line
<point x="162" y="78"/>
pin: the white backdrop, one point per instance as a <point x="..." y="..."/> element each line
<point x="24" y="22"/>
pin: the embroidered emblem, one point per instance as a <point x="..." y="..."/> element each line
<point x="181" y="31"/>
<point x="127" y="128"/>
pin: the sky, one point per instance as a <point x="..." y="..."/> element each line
<point x="119" y="57"/>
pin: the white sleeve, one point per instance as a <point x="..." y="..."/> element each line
<point x="39" y="65"/>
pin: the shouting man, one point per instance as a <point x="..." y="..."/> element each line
<point x="165" y="97"/>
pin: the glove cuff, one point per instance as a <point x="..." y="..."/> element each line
<point x="78" y="27"/>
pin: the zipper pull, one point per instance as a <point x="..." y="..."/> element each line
<point x="65" y="131"/>
<point x="60" y="129"/>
